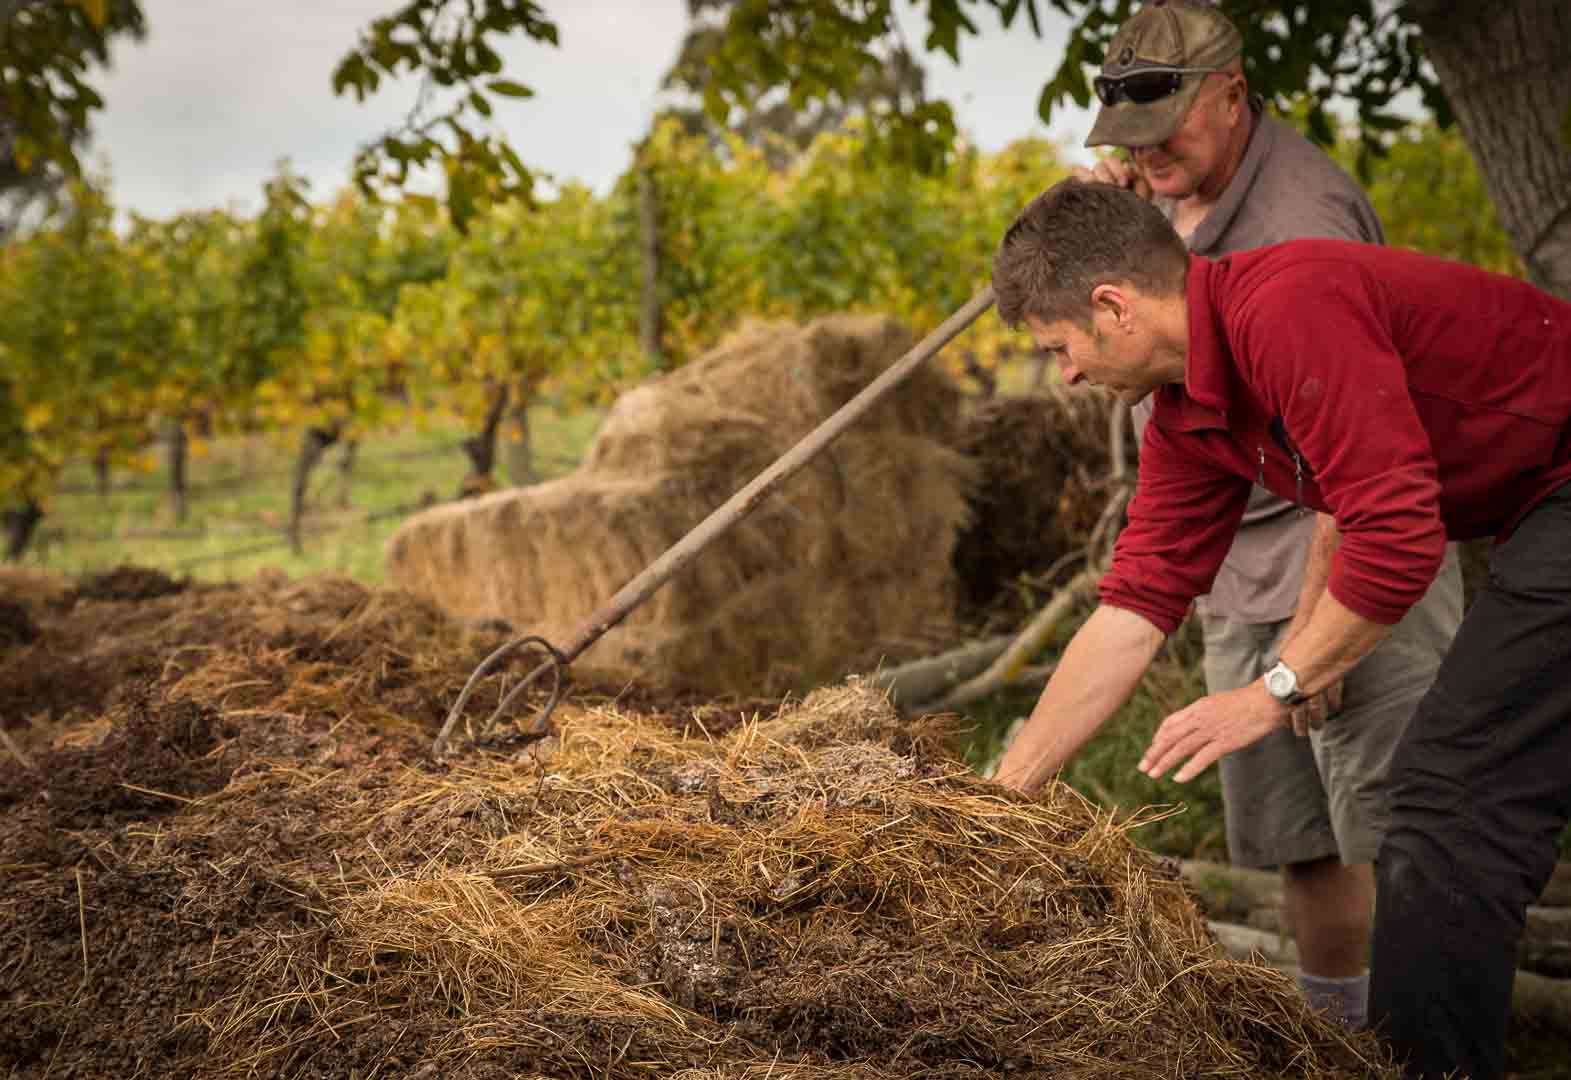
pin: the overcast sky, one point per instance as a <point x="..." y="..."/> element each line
<point x="199" y="113"/>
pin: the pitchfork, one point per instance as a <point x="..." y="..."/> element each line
<point x="685" y="550"/>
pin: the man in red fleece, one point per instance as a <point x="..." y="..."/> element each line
<point x="1413" y="400"/>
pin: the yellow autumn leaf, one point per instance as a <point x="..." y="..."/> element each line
<point x="36" y="416"/>
<point x="97" y="11"/>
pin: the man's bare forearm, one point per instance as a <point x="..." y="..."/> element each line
<point x="1317" y="570"/>
<point x="1099" y="670"/>
<point x="1331" y="644"/>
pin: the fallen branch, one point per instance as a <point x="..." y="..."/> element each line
<point x="925" y="679"/>
<point x="1007" y="669"/>
<point x="1242" y="895"/>
<point x="1558" y="892"/>
<point x="1232" y="892"/>
<point x="1117" y="427"/>
<point x="1246" y="942"/>
<point x="1105" y="533"/>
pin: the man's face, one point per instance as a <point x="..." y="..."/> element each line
<point x="1107" y="355"/>
<point x="1176" y="167"/>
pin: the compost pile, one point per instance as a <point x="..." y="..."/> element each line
<point x="236" y="857"/>
<point x="848" y="564"/>
<point x="1043" y="461"/>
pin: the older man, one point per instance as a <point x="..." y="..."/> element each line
<point x="1230" y="178"/>
<point x="1413" y="399"/>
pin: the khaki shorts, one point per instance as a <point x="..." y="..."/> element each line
<point x="1290" y="799"/>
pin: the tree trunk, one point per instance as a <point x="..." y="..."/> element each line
<point x="1504" y="69"/>
<point x="1008" y="666"/>
<point x="520" y="448"/>
<point x="313" y="445"/>
<point x="346" y="472"/>
<point x="101" y="473"/>
<point x="650" y="316"/>
<point x="480" y="448"/>
<point x="20" y="523"/>
<point x="176" y="447"/>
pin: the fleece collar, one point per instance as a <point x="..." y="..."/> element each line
<point x="1202" y="401"/>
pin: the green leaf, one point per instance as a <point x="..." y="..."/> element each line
<point x="945" y="22"/>
<point x="508" y="88"/>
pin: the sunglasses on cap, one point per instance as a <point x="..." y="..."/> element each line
<point x="1144" y="86"/>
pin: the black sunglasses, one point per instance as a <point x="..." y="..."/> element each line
<point x="1144" y="86"/>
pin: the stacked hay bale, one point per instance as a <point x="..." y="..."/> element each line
<point x="850" y="562"/>
<point x="245" y="864"/>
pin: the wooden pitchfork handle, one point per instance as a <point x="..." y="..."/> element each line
<point x="685" y="550"/>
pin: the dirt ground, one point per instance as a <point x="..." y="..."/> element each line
<point x="226" y="850"/>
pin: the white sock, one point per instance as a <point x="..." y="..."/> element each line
<point x="1346" y="1000"/>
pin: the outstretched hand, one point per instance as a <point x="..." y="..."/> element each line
<point x="1217" y="724"/>
<point x="1116" y="171"/>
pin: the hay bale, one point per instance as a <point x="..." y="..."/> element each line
<point x="760" y="391"/>
<point x="33" y="591"/>
<point x="847" y="564"/>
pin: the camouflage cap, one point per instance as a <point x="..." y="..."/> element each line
<point x="1162" y="34"/>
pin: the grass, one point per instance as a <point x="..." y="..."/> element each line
<point x="1104" y="770"/>
<point x="239" y="504"/>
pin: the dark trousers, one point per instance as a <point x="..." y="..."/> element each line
<point x="1480" y="791"/>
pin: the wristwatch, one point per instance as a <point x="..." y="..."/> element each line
<point x="1282" y="684"/>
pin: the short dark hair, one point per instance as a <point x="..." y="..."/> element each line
<point x="1075" y="236"/>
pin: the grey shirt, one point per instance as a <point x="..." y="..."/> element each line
<point x="1285" y="188"/>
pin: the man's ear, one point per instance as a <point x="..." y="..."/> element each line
<point x="1115" y="301"/>
<point x="1237" y="95"/>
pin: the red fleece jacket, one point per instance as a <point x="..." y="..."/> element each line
<point x="1412" y="398"/>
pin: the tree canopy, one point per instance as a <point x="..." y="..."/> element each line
<point x="50" y="48"/>
<point x="449" y="44"/>
<point x="1498" y="67"/>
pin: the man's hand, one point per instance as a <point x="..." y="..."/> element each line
<point x="1312" y="714"/>
<point x="1116" y="171"/>
<point x="1217" y="724"/>
<point x="1100" y="668"/>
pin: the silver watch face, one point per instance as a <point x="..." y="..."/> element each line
<point x="1281" y="682"/>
